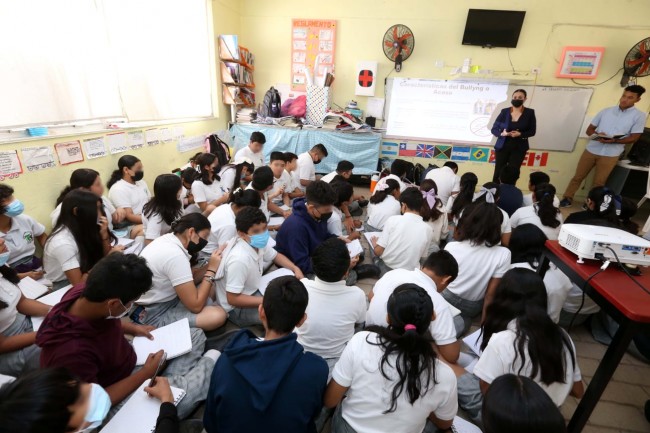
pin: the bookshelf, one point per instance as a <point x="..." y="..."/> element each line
<point x="237" y="65"/>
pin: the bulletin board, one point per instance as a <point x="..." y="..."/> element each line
<point x="580" y="62"/>
<point x="313" y="44"/>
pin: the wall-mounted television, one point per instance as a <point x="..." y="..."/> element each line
<point x="493" y="28"/>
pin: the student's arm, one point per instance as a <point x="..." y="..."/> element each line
<point x="167" y="421"/>
<point x="131" y="217"/>
<point x="578" y="389"/>
<point x="31" y="307"/>
<point x="286" y="199"/>
<point x="489" y="295"/>
<point x="305" y="182"/>
<point x="75" y="276"/>
<point x="379" y="250"/>
<point x="194" y="298"/>
<point x="450" y="352"/>
<point x="283" y="261"/>
<point x="122" y="389"/>
<point x="16" y="342"/>
<point x="371" y="294"/>
<point x="274" y="208"/>
<point x="136" y="329"/>
<point x="300" y="253"/>
<point x="505" y="239"/>
<point x="240" y="300"/>
<point x="484" y="386"/>
<point x="348" y="222"/>
<point x="334" y="394"/>
<point x="439" y="423"/>
<point x="296" y="193"/>
<point x="41" y="239"/>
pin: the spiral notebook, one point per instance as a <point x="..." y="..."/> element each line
<point x="140" y="413"/>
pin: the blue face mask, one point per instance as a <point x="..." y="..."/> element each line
<point x="100" y="404"/>
<point x="4" y="257"/>
<point x="259" y="240"/>
<point x="14" y="208"/>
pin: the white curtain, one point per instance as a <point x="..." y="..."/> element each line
<point x="65" y="61"/>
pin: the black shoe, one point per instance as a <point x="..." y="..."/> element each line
<point x="367" y="271"/>
<point x="362" y="203"/>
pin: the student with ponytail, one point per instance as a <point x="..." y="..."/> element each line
<point x="384" y="203"/>
<point x="208" y="191"/>
<point x="399" y="357"/>
<point x="127" y="189"/>
<point x="520" y="338"/>
<point x="603" y="208"/>
<point x="433" y="213"/>
<point x="542" y="213"/>
<point x="163" y="208"/>
<point x="490" y="193"/>
<point x="89" y="180"/>
<point x="458" y="202"/>
<point x="233" y="175"/>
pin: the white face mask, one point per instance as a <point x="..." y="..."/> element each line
<point x="100" y="404"/>
<point x="119" y="316"/>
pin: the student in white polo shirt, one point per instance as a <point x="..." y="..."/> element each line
<point x="282" y="181"/>
<point x="406" y="238"/>
<point x="384" y="203"/>
<point x="489" y="193"/>
<point x="291" y="167"/>
<point x="334" y="309"/>
<point x="128" y="190"/>
<point x="174" y="294"/>
<point x="481" y="261"/>
<point x="306" y="164"/>
<point x="438" y="271"/>
<point x="207" y="191"/>
<point x="391" y="376"/>
<point x="20" y="232"/>
<point x="254" y="151"/>
<point x="238" y="291"/>
<point x="222" y="219"/>
<point x="263" y="183"/>
<point x="446" y="180"/>
<point x="398" y="171"/>
<point x="543" y="212"/>
<point x="233" y="175"/>
<point x="344" y="171"/>
<point x="163" y="208"/>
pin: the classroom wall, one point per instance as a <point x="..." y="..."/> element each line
<point x="438" y="27"/>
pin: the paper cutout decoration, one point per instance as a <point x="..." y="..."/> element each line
<point x="69" y="152"/>
<point x="480" y="154"/>
<point x="366" y="78"/>
<point x="389" y="149"/>
<point x="10" y="167"/>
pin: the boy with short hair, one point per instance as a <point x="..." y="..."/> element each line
<point x="262" y="182"/>
<point x="281" y="180"/>
<point x="510" y="197"/>
<point x="291" y="167"/>
<point x="534" y="179"/>
<point x="254" y="150"/>
<point x="307" y="164"/>
<point x="306" y="227"/>
<point x="343" y="168"/>
<point x="238" y="291"/>
<point x="344" y="172"/>
<point x="334" y="308"/>
<point x="271" y="384"/>
<point x="439" y="269"/>
<point x="446" y="179"/>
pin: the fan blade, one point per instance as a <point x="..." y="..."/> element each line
<point x="395" y="33"/>
<point x="635" y="62"/>
<point x="642" y="49"/>
<point x="388" y="44"/>
<point x="644" y="68"/>
<point x="403" y="38"/>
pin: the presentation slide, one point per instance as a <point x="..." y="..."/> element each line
<point x="458" y="111"/>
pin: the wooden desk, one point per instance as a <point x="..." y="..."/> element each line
<point x="619" y="297"/>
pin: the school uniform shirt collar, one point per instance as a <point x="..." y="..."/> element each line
<point x="326" y="288"/>
<point x="420" y="274"/>
<point x="413" y="216"/>
<point x="512" y="325"/>
<point x="173" y="239"/>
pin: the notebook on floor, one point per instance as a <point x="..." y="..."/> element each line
<point x="175" y="339"/>
<point x="31" y="288"/>
<point x="140" y="413"/>
<point x="462" y="426"/>
<point x="51" y="299"/>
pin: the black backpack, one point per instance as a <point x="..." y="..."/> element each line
<point x="426" y="171"/>
<point x="272" y="103"/>
<point x="219" y="148"/>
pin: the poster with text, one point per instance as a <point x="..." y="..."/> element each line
<point x="117" y="142"/>
<point x="313" y="44"/>
<point x="10" y="166"/>
<point x="95" y="147"/>
<point x="69" y="152"/>
<point x="38" y="158"/>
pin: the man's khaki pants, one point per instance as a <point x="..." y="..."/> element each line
<point x="604" y="166"/>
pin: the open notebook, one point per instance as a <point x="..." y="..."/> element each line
<point x="31" y="288"/>
<point x="175" y="339"/>
<point x="266" y="279"/>
<point x="52" y="299"/>
<point x="474" y="341"/>
<point x="460" y="426"/>
<point x="140" y="413"/>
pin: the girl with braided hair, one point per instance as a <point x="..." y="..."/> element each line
<point x="399" y="358"/>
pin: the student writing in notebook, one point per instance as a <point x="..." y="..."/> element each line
<point x="84" y="334"/>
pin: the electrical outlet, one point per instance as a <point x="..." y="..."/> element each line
<point x="536" y="71"/>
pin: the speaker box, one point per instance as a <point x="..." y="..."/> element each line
<point x="639" y="154"/>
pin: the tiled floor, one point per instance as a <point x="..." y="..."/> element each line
<point x="621" y="407"/>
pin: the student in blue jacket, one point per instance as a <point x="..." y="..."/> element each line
<point x="272" y="384"/>
<point x="306" y="228"/>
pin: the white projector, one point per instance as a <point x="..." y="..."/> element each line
<point x="591" y="242"/>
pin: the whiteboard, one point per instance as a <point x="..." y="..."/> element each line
<point x="560" y="112"/>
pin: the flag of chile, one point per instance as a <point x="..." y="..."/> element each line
<point x="366" y="78"/>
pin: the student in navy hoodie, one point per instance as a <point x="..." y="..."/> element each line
<point x="306" y="228"/>
<point x="270" y="384"/>
<point x="510" y="197"/>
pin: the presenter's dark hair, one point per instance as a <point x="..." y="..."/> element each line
<point x="521" y="91"/>
<point x="635" y="88"/>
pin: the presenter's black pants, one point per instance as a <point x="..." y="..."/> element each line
<point x="512" y="153"/>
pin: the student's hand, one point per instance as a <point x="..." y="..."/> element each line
<point x="298" y="273"/>
<point x="215" y="258"/>
<point x="35" y="275"/>
<point x="151" y="364"/>
<point x="161" y="390"/>
<point x="348" y="223"/>
<point x="119" y="215"/>
<point x="354" y="235"/>
<point x="354" y="261"/>
<point x="515" y="134"/>
<point x="373" y="241"/>
<point x="274" y="228"/>
<point x="103" y="226"/>
<point x="357" y="224"/>
<point x="286" y="213"/>
<point x="117" y="249"/>
<point x="143" y="331"/>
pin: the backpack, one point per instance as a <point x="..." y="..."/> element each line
<point x="428" y="169"/>
<point x="219" y="147"/>
<point x="418" y="171"/>
<point x="272" y="104"/>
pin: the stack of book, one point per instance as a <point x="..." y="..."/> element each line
<point x="246" y="115"/>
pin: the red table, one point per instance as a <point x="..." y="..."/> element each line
<point x="619" y="297"/>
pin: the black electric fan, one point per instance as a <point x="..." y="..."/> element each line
<point x="637" y="62"/>
<point x="398" y="44"/>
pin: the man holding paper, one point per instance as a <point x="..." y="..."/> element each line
<point x="610" y="130"/>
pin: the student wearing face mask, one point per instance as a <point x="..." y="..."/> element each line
<point x="128" y="190"/>
<point x="306" y="227"/>
<point x="307" y="164"/>
<point x="19" y="232"/>
<point x="78" y="241"/>
<point x="208" y="191"/>
<point x="513" y="127"/>
<point x="174" y="295"/>
<point x="163" y="208"/>
<point x="238" y="291"/>
<point x="18" y="354"/>
<point x="55" y="401"/>
<point x="84" y="334"/>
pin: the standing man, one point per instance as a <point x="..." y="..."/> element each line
<point x="603" y="153"/>
<point x="253" y="151"/>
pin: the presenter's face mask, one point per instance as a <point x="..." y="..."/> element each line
<point x="517" y="102"/>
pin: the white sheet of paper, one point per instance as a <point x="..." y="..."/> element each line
<point x="355" y="248"/>
<point x="462" y="426"/>
<point x="178" y="132"/>
<point x="189" y="143"/>
<point x="474" y="341"/>
<point x="166" y="135"/>
<point x="9" y="163"/>
<point x="175" y="339"/>
<point x="95" y="147"/>
<point x="152" y="136"/>
<point x="370" y="235"/>
<point x="117" y="142"/>
<point x="266" y="279"/>
<point x="52" y="299"/>
<point x="31" y="288"/>
<point x="276" y="221"/>
<point x="69" y="152"/>
<point x="38" y="158"/>
<point x="375" y="107"/>
<point x="136" y="139"/>
<point x="6" y="379"/>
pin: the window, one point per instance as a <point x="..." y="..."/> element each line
<point x="141" y="60"/>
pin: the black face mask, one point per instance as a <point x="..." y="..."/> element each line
<point x="193" y="247"/>
<point x="325" y="216"/>
<point x="517" y="103"/>
<point x="216" y="171"/>
<point x="139" y="175"/>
